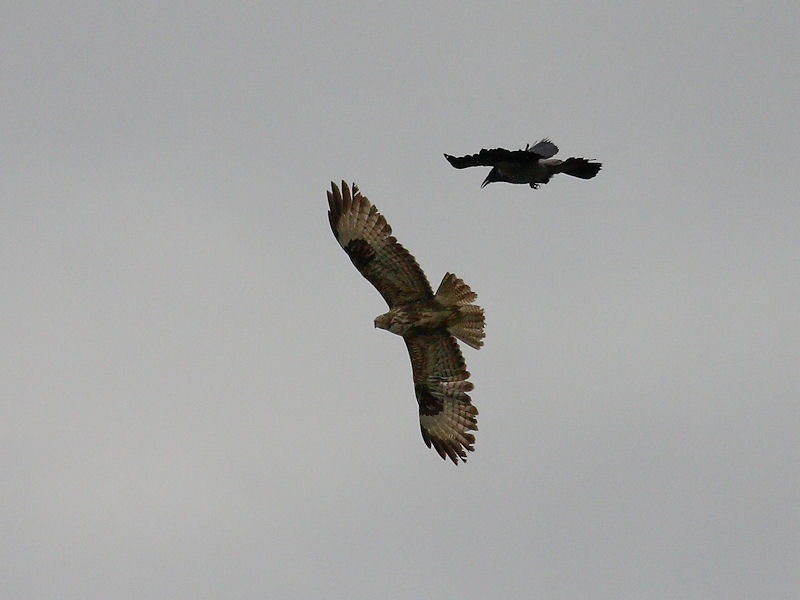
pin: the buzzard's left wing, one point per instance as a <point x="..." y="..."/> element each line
<point x="367" y="238"/>
<point x="441" y="383"/>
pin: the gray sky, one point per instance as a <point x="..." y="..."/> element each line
<point x="194" y="402"/>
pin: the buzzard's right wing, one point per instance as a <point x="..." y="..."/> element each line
<point x="441" y="383"/>
<point x="367" y="238"/>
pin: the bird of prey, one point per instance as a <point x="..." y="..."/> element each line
<point x="533" y="165"/>
<point x="429" y="323"/>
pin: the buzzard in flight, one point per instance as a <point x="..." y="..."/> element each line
<point x="429" y="323"/>
<point x="533" y="166"/>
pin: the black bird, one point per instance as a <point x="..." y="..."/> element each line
<point x="533" y="166"/>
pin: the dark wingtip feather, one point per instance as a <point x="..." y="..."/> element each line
<point x="339" y="202"/>
<point x="334" y="208"/>
<point x="460" y="162"/>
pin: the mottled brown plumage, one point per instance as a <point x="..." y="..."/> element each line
<point x="427" y="322"/>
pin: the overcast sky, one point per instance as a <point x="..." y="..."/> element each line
<point x="194" y="402"/>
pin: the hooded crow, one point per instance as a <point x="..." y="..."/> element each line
<point x="533" y="165"/>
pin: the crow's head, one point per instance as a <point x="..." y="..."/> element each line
<point x="494" y="175"/>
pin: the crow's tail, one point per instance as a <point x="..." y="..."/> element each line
<point x="580" y="167"/>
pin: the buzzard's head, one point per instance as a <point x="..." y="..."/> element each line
<point x="394" y="321"/>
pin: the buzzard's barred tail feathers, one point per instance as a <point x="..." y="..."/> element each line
<point x="453" y="291"/>
<point x="468" y="325"/>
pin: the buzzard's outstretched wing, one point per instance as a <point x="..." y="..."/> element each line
<point x="367" y="238"/>
<point x="446" y="415"/>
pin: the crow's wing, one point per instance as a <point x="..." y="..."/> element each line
<point x="544" y="148"/>
<point x="490" y="158"/>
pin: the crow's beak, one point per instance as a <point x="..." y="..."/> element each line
<point x="485" y="182"/>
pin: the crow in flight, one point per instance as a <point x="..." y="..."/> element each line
<point x="533" y="165"/>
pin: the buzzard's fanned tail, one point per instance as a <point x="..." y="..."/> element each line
<point x="469" y="327"/>
<point x="453" y="291"/>
<point x="468" y="323"/>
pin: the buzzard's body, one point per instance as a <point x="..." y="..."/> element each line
<point x="533" y="166"/>
<point x="429" y="323"/>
